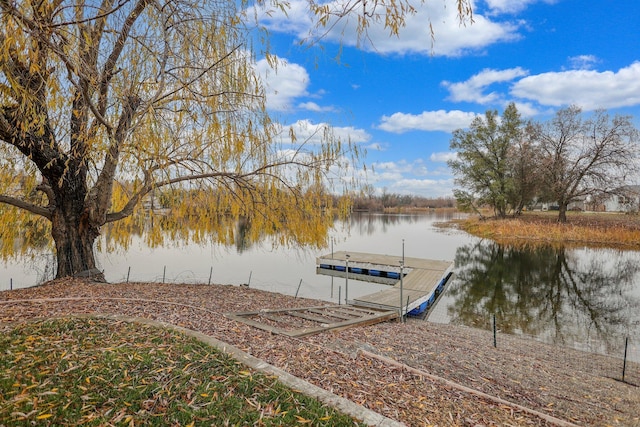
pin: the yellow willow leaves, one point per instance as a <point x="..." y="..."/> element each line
<point x="22" y="233"/>
<point x="219" y="168"/>
<point x="217" y="216"/>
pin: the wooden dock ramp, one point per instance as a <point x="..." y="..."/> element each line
<point x="299" y="322"/>
<point x="422" y="279"/>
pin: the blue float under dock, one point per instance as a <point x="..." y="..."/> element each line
<point x="422" y="282"/>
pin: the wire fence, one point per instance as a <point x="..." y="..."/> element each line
<point x="169" y="274"/>
<point x="617" y="356"/>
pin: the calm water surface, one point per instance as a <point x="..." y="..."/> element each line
<point x="563" y="296"/>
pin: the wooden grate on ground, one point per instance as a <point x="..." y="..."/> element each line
<point x="299" y="322"/>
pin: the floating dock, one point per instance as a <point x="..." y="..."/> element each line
<point x="421" y="282"/>
<point x="417" y="284"/>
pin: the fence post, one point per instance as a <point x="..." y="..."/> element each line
<point x="339" y="294"/>
<point x="331" y="287"/>
<point x="495" y="342"/>
<point x="249" y="282"/>
<point x="406" y="311"/>
<point x="128" y="273"/>
<point x="210" y="274"/>
<point x="297" y="290"/>
<point x="164" y="273"/>
<point x="401" y="262"/>
<point x="11" y="284"/>
<point x="346" y="281"/>
<point x="624" y="361"/>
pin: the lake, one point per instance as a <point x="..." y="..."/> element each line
<point x="576" y="297"/>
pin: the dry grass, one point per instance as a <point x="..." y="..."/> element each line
<point x="542" y="228"/>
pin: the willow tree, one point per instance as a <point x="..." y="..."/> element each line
<point x="106" y="105"/>
<point x="103" y="104"/>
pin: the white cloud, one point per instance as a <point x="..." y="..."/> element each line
<point x="588" y="89"/>
<point x="583" y="62"/>
<point x="451" y="38"/>
<point x="312" y="106"/>
<point x="472" y="89"/>
<point x="377" y="146"/>
<point x="411" y="177"/>
<point x="399" y="169"/>
<point x="423" y="187"/>
<point x="305" y="130"/>
<point x="526" y="109"/>
<point x="385" y="171"/>
<point x="511" y="6"/>
<point x="440" y="120"/>
<point x="355" y="135"/>
<point x="284" y="84"/>
<point x="443" y="157"/>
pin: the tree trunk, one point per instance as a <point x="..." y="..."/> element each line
<point x="74" y="237"/>
<point x="562" y="214"/>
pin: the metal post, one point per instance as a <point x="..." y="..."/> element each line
<point x="339" y="294"/>
<point x="407" y="310"/>
<point x="250" y="273"/>
<point x="331" y="287"/>
<point x="164" y="273"/>
<point x="11" y="284"/>
<point x="401" y="289"/>
<point x="495" y="342"/>
<point x="298" y="290"/>
<point x="346" y="282"/>
<point x="624" y="362"/>
<point x="210" y="274"/>
<point x="128" y="273"/>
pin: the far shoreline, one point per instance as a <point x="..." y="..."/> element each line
<point x="531" y="229"/>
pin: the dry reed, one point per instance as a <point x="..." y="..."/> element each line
<point x="581" y="229"/>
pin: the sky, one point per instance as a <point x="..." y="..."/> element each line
<point x="401" y="97"/>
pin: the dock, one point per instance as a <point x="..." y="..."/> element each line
<point x="415" y="284"/>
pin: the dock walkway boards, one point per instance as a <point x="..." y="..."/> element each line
<point x="423" y="278"/>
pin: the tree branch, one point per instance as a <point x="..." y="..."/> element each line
<point x="30" y="207"/>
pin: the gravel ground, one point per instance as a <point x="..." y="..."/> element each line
<point x="419" y="373"/>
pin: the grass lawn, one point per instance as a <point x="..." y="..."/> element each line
<point x="106" y="372"/>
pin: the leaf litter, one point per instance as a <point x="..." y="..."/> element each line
<point x="532" y="375"/>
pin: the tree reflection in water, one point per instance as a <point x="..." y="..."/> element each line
<point x="563" y="296"/>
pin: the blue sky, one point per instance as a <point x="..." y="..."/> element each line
<point x="401" y="97"/>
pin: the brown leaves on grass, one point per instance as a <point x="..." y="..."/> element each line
<point x="105" y="372"/>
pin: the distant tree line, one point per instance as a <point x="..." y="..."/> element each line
<point x="369" y="201"/>
<point x="507" y="163"/>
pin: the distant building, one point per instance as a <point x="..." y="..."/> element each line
<point x="624" y="199"/>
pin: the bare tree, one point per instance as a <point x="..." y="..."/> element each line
<point x="581" y="157"/>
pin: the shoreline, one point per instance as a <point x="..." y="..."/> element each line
<point x="598" y="230"/>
